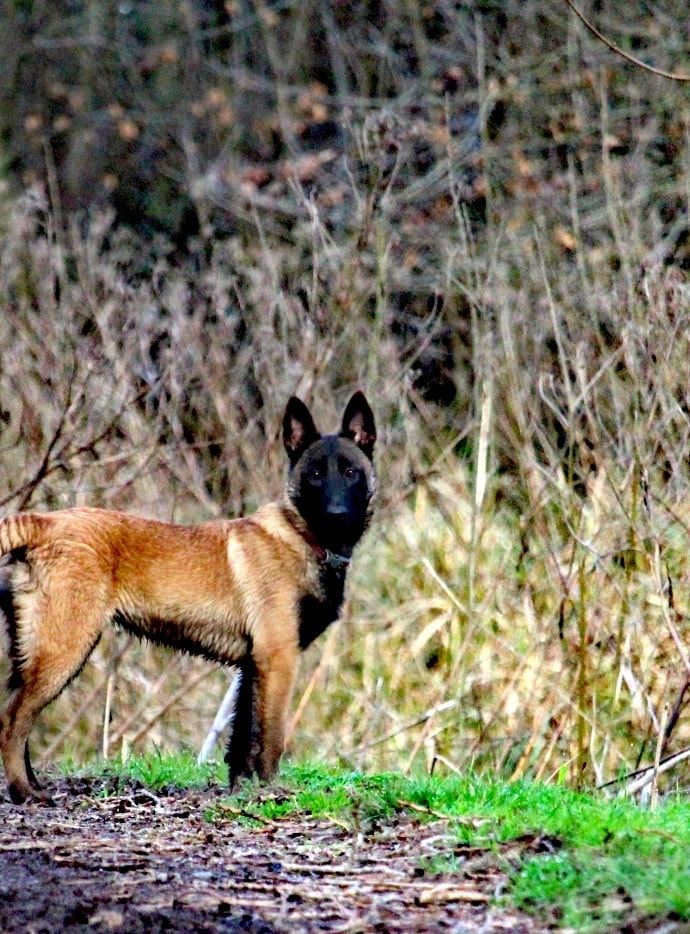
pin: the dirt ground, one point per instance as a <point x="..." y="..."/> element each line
<point x="136" y="861"/>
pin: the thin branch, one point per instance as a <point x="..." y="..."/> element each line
<point x="664" y="764"/>
<point x="671" y="75"/>
<point x="56" y="460"/>
<point x="652" y="772"/>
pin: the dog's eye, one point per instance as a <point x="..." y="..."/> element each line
<point x="314" y="474"/>
<point x="351" y="473"/>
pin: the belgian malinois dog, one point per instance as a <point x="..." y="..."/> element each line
<point x="250" y="592"/>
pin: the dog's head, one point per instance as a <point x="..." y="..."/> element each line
<point x="331" y="480"/>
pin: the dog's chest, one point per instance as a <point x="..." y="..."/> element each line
<point x="318" y="611"/>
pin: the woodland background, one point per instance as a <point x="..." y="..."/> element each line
<point x="475" y="212"/>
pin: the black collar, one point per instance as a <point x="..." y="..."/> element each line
<point x="330" y="559"/>
<point x="335" y="561"/>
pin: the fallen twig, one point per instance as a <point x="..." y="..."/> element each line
<point x="650" y="772"/>
<point x="440" y="894"/>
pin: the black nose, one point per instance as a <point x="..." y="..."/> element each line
<point x="336" y="509"/>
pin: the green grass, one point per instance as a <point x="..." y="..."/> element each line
<point x="603" y="860"/>
<point x="155" y="771"/>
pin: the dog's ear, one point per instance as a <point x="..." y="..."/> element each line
<point x="299" y="430"/>
<point x="358" y="424"/>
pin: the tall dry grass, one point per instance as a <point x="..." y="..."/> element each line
<point x="520" y="604"/>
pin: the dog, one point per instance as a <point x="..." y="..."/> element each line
<point x="250" y="592"/>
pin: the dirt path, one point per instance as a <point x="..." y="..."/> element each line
<point x="137" y="861"/>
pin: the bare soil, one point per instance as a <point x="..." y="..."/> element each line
<point x="127" y="859"/>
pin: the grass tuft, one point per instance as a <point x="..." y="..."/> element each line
<point x="162" y="771"/>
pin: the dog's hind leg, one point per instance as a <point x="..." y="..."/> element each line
<point x="7" y="608"/>
<point x="56" y="633"/>
<point x="43" y="681"/>
<point x="16" y="722"/>
<point x="30" y="774"/>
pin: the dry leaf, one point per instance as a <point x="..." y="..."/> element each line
<point x="565" y="239"/>
<point x="128" y="130"/>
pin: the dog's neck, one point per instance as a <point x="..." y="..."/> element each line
<point x="336" y="558"/>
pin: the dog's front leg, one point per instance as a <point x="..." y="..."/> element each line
<point x="276" y="672"/>
<point x="243" y="742"/>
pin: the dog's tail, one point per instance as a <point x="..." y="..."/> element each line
<point x="26" y="530"/>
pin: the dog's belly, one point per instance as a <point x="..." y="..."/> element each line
<point x="212" y="640"/>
